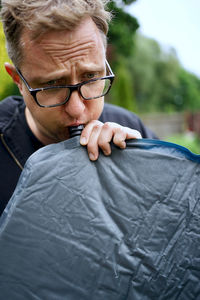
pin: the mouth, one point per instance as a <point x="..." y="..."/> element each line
<point x="75" y="130"/>
<point x="75" y="124"/>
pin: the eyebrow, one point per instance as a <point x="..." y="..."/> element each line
<point x="63" y="75"/>
<point x="43" y="79"/>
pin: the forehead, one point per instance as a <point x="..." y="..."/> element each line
<point x="60" y="48"/>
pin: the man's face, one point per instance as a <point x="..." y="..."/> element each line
<point x="62" y="58"/>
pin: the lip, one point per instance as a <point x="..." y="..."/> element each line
<point x="75" y="124"/>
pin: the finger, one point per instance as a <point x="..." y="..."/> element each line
<point x="105" y="138"/>
<point x="119" y="138"/>
<point x="86" y="132"/>
<point x="111" y="130"/>
<point x="121" y="134"/>
<point x="92" y="145"/>
<point x="132" y="133"/>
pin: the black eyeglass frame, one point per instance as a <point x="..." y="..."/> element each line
<point x="75" y="87"/>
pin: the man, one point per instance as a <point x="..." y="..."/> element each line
<point x="58" y="50"/>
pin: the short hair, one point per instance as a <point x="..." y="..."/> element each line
<point x="40" y="16"/>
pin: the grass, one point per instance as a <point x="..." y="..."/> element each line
<point x="187" y="140"/>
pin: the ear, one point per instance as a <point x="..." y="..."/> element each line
<point x="14" y="75"/>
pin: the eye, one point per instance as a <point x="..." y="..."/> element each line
<point x="90" y="75"/>
<point x="51" y="82"/>
<point x="55" y="82"/>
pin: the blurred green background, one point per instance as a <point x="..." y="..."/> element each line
<point x="149" y="80"/>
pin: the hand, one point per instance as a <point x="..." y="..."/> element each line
<point x="97" y="135"/>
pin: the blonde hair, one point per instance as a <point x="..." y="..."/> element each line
<point x="39" y="16"/>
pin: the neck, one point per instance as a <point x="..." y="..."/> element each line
<point x="35" y="128"/>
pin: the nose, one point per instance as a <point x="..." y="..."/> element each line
<point x="75" y="106"/>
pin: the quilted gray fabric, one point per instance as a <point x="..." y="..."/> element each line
<point x="124" y="227"/>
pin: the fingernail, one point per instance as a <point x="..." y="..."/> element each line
<point x="91" y="156"/>
<point x="83" y="141"/>
<point x="107" y="153"/>
<point x="123" y="145"/>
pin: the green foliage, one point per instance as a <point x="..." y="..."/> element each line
<point x="160" y="83"/>
<point x="190" y="142"/>
<point x="128" y="1"/>
<point x="121" y="31"/>
<point x="7" y="87"/>
<point x="122" y="93"/>
<point x="120" y="48"/>
<point x="189" y="91"/>
<point x="149" y="78"/>
<point x="122" y="3"/>
<point x="155" y="75"/>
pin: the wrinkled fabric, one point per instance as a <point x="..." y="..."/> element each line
<point x="16" y="136"/>
<point x="124" y="227"/>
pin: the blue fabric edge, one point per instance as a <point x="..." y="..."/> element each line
<point x="150" y="143"/>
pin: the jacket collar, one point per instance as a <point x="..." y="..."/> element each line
<point x="11" y="129"/>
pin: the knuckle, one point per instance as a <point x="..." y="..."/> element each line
<point x="101" y="143"/>
<point x="120" y="131"/>
<point x="96" y="122"/>
<point x="107" y="125"/>
<point x="97" y="127"/>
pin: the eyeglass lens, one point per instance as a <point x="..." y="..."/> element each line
<point x="58" y="95"/>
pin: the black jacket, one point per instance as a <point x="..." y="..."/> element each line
<point x="17" y="142"/>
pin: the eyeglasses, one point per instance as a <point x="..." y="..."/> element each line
<point x="53" y="96"/>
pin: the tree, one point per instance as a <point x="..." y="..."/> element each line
<point x="149" y="77"/>
<point x="122" y="93"/>
<point x="156" y="77"/>
<point x="120" y="48"/>
<point x="7" y="87"/>
<point x="122" y="28"/>
<point x="189" y="91"/>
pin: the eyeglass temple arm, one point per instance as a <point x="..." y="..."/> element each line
<point x="109" y="68"/>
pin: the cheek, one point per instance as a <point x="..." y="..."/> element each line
<point x="46" y="117"/>
<point x="24" y="92"/>
<point x="43" y="116"/>
<point x="28" y="99"/>
<point x="96" y="108"/>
